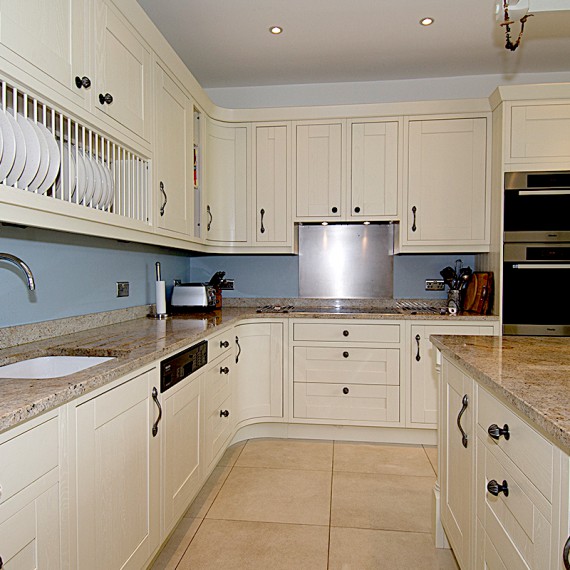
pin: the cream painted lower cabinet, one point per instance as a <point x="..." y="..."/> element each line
<point x="117" y="506"/>
<point x="30" y="515"/>
<point x="504" y="497"/>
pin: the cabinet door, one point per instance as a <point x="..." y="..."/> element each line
<point x="447" y="181"/>
<point x="173" y="155"/>
<point x="122" y="71"/>
<point x="259" y="382"/>
<point x="423" y="376"/>
<point x="374" y="176"/>
<point x="457" y="461"/>
<point x="118" y="510"/>
<point x="273" y="222"/>
<point x="226" y="182"/>
<point x="181" y="449"/>
<point x="48" y="40"/>
<point x="319" y="170"/>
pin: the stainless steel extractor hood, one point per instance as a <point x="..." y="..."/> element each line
<point x="346" y="261"/>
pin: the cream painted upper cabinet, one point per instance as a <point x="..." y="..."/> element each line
<point x="122" y="88"/>
<point x="48" y="40"/>
<point x="173" y="151"/>
<point x="374" y="169"/>
<point x="226" y="182"/>
<point x="446" y="197"/>
<point x="319" y="170"/>
<point x="272" y="184"/>
<point x="539" y="133"/>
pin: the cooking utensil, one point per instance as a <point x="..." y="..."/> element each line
<point x="448" y="275"/>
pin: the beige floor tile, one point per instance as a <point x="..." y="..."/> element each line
<point x="208" y="493"/>
<point x="274" y="495"/>
<point x="287" y="454"/>
<point x="385" y="459"/>
<point x="432" y="456"/>
<point x="231" y="454"/>
<point x="362" y="549"/>
<point x="177" y="545"/>
<point x="239" y="545"/>
<point x="383" y="502"/>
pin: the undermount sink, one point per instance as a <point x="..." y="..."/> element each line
<point x="50" y="366"/>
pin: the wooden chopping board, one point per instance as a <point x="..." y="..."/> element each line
<point x="479" y="293"/>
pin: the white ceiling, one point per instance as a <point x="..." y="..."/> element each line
<point x="226" y="43"/>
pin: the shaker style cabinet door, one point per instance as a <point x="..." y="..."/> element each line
<point x="374" y="170"/>
<point x="446" y="195"/>
<point x="122" y="71"/>
<point x="226" y="182"/>
<point x="48" y="40"/>
<point x="272" y="181"/>
<point x="173" y="149"/>
<point x="319" y="170"/>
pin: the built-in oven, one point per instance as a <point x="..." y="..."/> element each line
<point x="536" y="253"/>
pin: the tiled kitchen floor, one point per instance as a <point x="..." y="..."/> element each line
<point x="274" y="504"/>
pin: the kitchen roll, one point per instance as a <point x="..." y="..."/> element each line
<point x="160" y="297"/>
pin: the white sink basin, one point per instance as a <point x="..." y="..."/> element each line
<point x="50" y="366"/>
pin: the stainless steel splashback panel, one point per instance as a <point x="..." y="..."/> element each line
<point x="346" y="261"/>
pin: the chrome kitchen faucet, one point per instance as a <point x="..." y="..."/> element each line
<point x="19" y="263"/>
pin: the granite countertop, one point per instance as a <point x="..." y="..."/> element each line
<point x="531" y="373"/>
<point x="134" y="343"/>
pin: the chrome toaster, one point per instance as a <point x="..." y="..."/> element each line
<point x="193" y="297"/>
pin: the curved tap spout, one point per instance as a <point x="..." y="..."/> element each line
<point x="23" y="266"/>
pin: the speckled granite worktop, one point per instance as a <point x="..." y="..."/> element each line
<point x="531" y="373"/>
<point x="135" y="343"/>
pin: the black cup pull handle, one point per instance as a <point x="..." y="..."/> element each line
<point x="464" y="437"/>
<point x="414" y="210"/>
<point x="239" y="349"/>
<point x="495" y="488"/>
<point x="496" y="432"/>
<point x="565" y="554"/>
<point x="155" y="425"/>
<point x="107" y="98"/>
<point x="211" y="218"/>
<point x="81" y="82"/>
<point x="262" y="212"/>
<point x="418" y="338"/>
<point x="163" y="207"/>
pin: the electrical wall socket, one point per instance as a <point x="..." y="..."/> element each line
<point x="435" y="285"/>
<point x="122" y="288"/>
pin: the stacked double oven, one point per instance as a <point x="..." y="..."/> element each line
<point x="536" y="254"/>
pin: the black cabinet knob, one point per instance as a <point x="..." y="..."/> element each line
<point x="494" y="488"/>
<point x="496" y="432"/>
<point x="566" y="554"/>
<point x="345" y="354"/>
<point x="224" y="413"/>
<point x="345" y="390"/>
<point x="107" y="98"/>
<point x="84" y="82"/>
<point x="224" y="370"/>
<point x="224" y="344"/>
<point x="357" y="209"/>
<point x="334" y="209"/>
<point x="345" y="333"/>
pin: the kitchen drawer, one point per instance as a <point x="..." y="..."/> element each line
<point x="346" y="365"/>
<point x="217" y="383"/>
<point x="346" y="332"/>
<point x="530" y="452"/>
<point x="28" y="456"/>
<point x="518" y="526"/>
<point x="368" y="403"/>
<point x="220" y="344"/>
<point x="218" y="430"/>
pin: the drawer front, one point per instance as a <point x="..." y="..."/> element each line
<point x="343" y="332"/>
<point x="27" y="457"/>
<point x="360" y="403"/>
<point x="217" y="383"/>
<point x="220" y="344"/>
<point x="218" y="430"/>
<point x="530" y="452"/>
<point x="346" y="365"/>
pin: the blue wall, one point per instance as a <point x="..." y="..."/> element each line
<point x="278" y="275"/>
<point x="76" y="275"/>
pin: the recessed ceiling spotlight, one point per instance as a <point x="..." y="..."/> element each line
<point x="426" y="21"/>
<point x="276" y="30"/>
